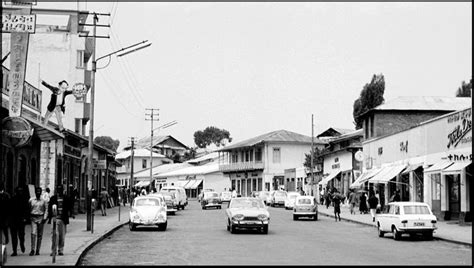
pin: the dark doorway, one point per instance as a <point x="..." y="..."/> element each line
<point x="22" y="170"/>
<point x="454" y="194"/>
<point x="33" y="172"/>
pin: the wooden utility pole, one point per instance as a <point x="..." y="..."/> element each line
<point x="312" y="154"/>
<point x="153" y="117"/>
<point x="132" y="140"/>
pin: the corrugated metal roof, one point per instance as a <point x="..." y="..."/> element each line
<point x="213" y="155"/>
<point x="137" y="153"/>
<point x="440" y="103"/>
<point x="160" y="169"/>
<point x="274" y="136"/>
<point x="192" y="170"/>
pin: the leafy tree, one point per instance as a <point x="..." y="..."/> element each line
<point x="211" y="135"/>
<point x="107" y="142"/>
<point x="465" y="89"/>
<point x="370" y="97"/>
<point x="317" y="158"/>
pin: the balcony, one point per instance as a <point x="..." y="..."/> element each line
<point x="241" y="166"/>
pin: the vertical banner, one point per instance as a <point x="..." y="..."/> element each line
<point x="16" y="79"/>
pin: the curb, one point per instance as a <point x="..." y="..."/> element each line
<point x="95" y="242"/>
<point x="371" y="225"/>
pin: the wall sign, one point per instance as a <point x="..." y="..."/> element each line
<point x="16" y="131"/>
<point x="462" y="124"/>
<point x="79" y="90"/>
<point x="18" y="23"/>
<point x="404" y="146"/>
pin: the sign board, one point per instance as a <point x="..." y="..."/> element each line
<point x="16" y="131"/>
<point x="20" y="3"/>
<point x="18" y="23"/>
<point x="99" y="164"/>
<point x="359" y="156"/>
<point x="19" y="49"/>
<point x="79" y="90"/>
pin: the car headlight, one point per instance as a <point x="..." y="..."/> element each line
<point x="238" y="217"/>
<point x="262" y="217"/>
<point x="160" y="217"/>
<point x="136" y="217"/>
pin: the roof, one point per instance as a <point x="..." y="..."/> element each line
<point x="213" y="155"/>
<point x="353" y="133"/>
<point x="137" y="153"/>
<point x="334" y="132"/>
<point x="424" y="103"/>
<point x="159" y="169"/>
<point x="192" y="170"/>
<point x="145" y="142"/>
<point x="274" y="136"/>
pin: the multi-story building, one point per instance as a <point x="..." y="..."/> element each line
<point x="165" y="145"/>
<point x="259" y="163"/>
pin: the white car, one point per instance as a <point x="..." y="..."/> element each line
<point x="170" y="202"/>
<point x="247" y="213"/>
<point x="406" y="217"/>
<point x="290" y="199"/>
<point x="226" y="196"/>
<point x="268" y="199"/>
<point x="278" y="198"/>
<point x="179" y="193"/>
<point x="148" y="211"/>
<point x="305" y="206"/>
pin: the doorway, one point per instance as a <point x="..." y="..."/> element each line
<point x="454" y="193"/>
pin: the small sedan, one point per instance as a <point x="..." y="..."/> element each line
<point x="148" y="211"/>
<point x="202" y="194"/>
<point x="290" y="199"/>
<point x="263" y="195"/>
<point x="278" y="198"/>
<point x="171" y="202"/>
<point x="406" y="218"/>
<point x="226" y="196"/>
<point x="211" y="199"/>
<point x="247" y="213"/>
<point x="305" y="206"/>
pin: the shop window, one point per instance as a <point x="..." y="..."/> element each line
<point x="258" y="155"/>
<point x="254" y="184"/>
<point x="276" y="155"/>
<point x="259" y="184"/>
<point x="436" y="186"/>
<point x="80" y="59"/>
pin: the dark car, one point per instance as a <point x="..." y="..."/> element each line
<point x="211" y="199"/>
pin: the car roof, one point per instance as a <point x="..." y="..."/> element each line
<point x="305" y="197"/>
<point x="148" y="196"/>
<point x="409" y="203"/>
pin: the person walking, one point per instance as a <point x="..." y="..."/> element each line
<point x="327" y="199"/>
<point x="60" y="209"/>
<point x="19" y="217"/>
<point x="38" y="214"/>
<point x="124" y="196"/>
<point x="337" y="200"/>
<point x="4" y="213"/>
<point x="363" y="204"/>
<point x="397" y="197"/>
<point x="352" y="201"/>
<point x="373" y="202"/>
<point x="104" y="196"/>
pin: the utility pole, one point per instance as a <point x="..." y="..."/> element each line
<point x="154" y="112"/>
<point x="94" y="25"/>
<point x="312" y="153"/>
<point x="132" y="140"/>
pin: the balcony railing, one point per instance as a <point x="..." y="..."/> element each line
<point x="241" y="166"/>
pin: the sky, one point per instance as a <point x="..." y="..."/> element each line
<point x="253" y="68"/>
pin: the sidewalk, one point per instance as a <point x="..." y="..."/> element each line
<point x="447" y="230"/>
<point x="78" y="240"/>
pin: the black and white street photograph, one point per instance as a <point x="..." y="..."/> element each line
<point x="214" y="133"/>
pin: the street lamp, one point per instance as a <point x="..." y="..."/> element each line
<point x="167" y="125"/>
<point x="89" y="220"/>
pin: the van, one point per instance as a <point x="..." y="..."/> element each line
<point x="180" y="194"/>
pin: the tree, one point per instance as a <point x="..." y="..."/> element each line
<point x="211" y="135"/>
<point x="465" y="89"/>
<point x="317" y="158"/>
<point x="107" y="142"/>
<point x="370" y="97"/>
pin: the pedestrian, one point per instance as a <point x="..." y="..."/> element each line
<point x="4" y="213"/>
<point x="124" y="196"/>
<point x="363" y="204"/>
<point x="60" y="209"/>
<point x="327" y="199"/>
<point x="321" y="196"/>
<point x="301" y="191"/>
<point x="19" y="217"/>
<point x="143" y="191"/>
<point x="373" y="202"/>
<point x="234" y="193"/>
<point x="379" y="202"/>
<point x="352" y="200"/>
<point x="38" y="214"/>
<point x="104" y="196"/>
<point x="397" y="197"/>
<point x="337" y="200"/>
<point x="46" y="194"/>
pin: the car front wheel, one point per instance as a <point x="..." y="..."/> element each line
<point x="396" y="234"/>
<point x="428" y="235"/>
<point x="295" y="217"/>
<point x="163" y="226"/>
<point x="265" y="229"/>
<point x="131" y="226"/>
<point x="381" y="233"/>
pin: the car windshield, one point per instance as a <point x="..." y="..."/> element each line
<point x="147" y="202"/>
<point x="304" y="201"/>
<point x="167" y="194"/>
<point x="211" y="194"/>
<point x="280" y="194"/>
<point x="414" y="209"/>
<point x="226" y="193"/>
<point x="293" y="196"/>
<point x="246" y="203"/>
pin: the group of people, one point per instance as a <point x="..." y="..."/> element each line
<point x="19" y="210"/>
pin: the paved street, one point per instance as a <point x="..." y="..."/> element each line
<point x="196" y="236"/>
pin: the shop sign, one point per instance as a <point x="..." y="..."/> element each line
<point x="19" y="49"/>
<point x="71" y="151"/>
<point x="16" y="131"/>
<point x="32" y="96"/>
<point x="79" y="90"/>
<point x="462" y="122"/>
<point x="19" y="23"/>
<point x="460" y="157"/>
<point x="99" y="164"/>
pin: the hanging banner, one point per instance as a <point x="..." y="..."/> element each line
<point x="16" y="79"/>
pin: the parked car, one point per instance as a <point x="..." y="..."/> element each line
<point x="170" y="201"/>
<point x="202" y="193"/>
<point x="247" y="213"/>
<point x="305" y="206"/>
<point x="406" y="217"/>
<point x="278" y="198"/>
<point x="290" y="199"/>
<point x="148" y="211"/>
<point x="263" y="195"/>
<point x="211" y="199"/>
<point x="225" y="196"/>
<point x="269" y="198"/>
<point x="180" y="194"/>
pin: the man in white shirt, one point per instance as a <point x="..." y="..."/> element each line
<point x="38" y="214"/>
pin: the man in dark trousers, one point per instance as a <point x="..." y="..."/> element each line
<point x="4" y="214"/>
<point x="57" y="101"/>
<point x="60" y="208"/>
<point x="19" y="215"/>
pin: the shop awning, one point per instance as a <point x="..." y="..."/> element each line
<point x="142" y="184"/>
<point x="364" y="177"/>
<point x="437" y="167"/>
<point x="331" y="176"/>
<point x="44" y="132"/>
<point x="456" y="168"/>
<point x="410" y="168"/>
<point x="192" y="184"/>
<point x="387" y="174"/>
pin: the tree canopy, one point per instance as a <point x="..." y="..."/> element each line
<point x="370" y="97"/>
<point x="211" y="135"/>
<point x="107" y="142"/>
<point x="317" y="158"/>
<point x="465" y="89"/>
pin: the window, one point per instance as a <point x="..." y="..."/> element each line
<point x="247" y="156"/>
<point x="143" y="163"/>
<point x="416" y="210"/>
<point x="372" y="126"/>
<point x="259" y="184"/>
<point x="276" y="155"/>
<point x="397" y="210"/>
<point x="77" y="128"/>
<point x="258" y="155"/>
<point x="436" y="186"/>
<point x="80" y="59"/>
